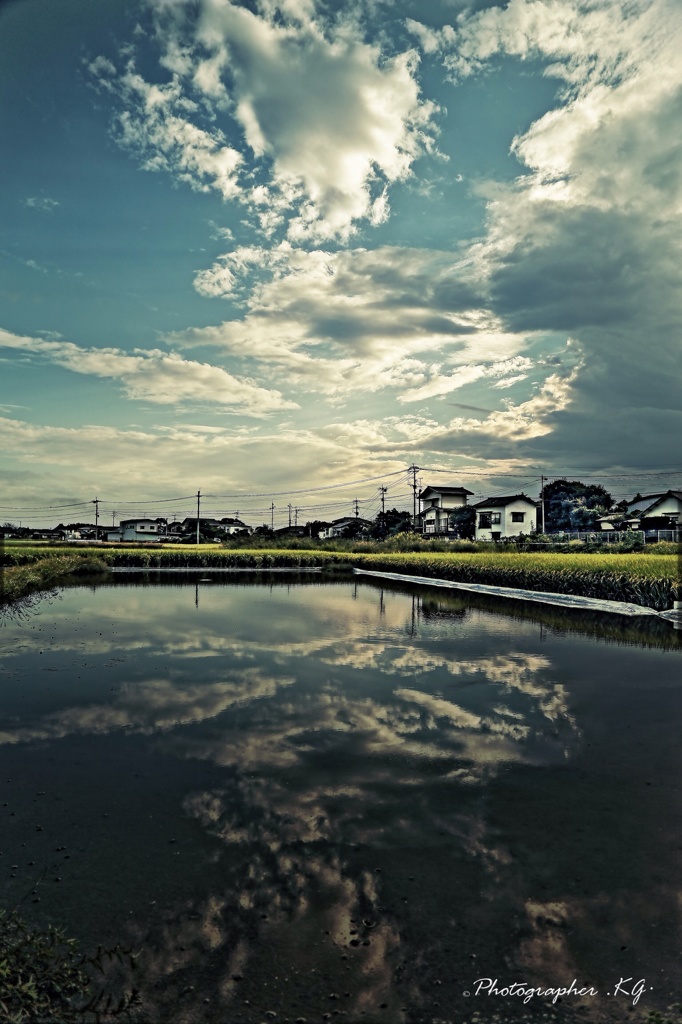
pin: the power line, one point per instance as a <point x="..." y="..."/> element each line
<point x="308" y="490"/>
<point x="42" y="508"/>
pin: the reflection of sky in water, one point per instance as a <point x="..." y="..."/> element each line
<point x="342" y="719"/>
<point x="298" y="675"/>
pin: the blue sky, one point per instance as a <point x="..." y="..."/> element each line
<point x="270" y="246"/>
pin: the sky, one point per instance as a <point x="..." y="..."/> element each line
<point x="280" y="250"/>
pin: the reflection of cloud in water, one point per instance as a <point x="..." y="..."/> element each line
<point x="156" y="704"/>
<point x="519" y="672"/>
<point x="440" y="708"/>
<point x="291" y="898"/>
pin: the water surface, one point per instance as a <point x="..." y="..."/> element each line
<point x="318" y="798"/>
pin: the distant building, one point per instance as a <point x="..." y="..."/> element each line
<point x="436" y="504"/>
<point x="505" y="516"/>
<point x="48" y="534"/>
<point x="226" y="526"/>
<point x="648" y="512"/>
<point x="661" y="511"/>
<point x="138" y="529"/>
<point x="290" y="531"/>
<point x="339" y="527"/>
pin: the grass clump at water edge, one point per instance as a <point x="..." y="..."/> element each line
<point x="45" y="979"/>
<point x="16" y="581"/>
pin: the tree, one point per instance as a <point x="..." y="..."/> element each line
<point x="572" y="505"/>
<point x="353" y="530"/>
<point x="390" y="522"/>
<point x="463" y="522"/>
<point x="314" y="527"/>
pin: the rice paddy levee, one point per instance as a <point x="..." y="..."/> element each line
<point x="648" y="581"/>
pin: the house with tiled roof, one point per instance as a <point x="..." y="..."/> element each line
<point x="436" y="505"/>
<point x="340" y="527"/>
<point x="505" y="516"/>
<point x="661" y="511"/>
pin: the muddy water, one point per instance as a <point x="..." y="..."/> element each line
<point x="319" y="800"/>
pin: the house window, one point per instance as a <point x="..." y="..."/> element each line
<point x="518" y="517"/>
<point x="488" y="519"/>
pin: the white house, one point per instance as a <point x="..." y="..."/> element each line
<point x="661" y="511"/>
<point x="436" y="504"/>
<point x="232" y="526"/>
<point x="339" y="527"/>
<point x="506" y="516"/>
<point x="137" y="529"/>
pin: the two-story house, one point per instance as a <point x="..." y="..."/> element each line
<point x="436" y="504"/>
<point x="138" y="529"/>
<point x="506" y="516"/>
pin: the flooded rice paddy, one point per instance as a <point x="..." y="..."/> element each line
<point x="318" y="800"/>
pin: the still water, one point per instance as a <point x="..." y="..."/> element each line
<point x="319" y="800"/>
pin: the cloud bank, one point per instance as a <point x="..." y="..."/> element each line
<point x="155" y="376"/>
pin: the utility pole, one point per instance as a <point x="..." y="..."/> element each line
<point x="414" y="470"/>
<point x="357" y="507"/>
<point x="383" y="499"/>
<point x="96" y="504"/>
<point x="113" y="518"/>
<point x="290" y="515"/>
<point x="542" y="504"/>
<point x="272" y="517"/>
<point x="295" y="517"/>
<point x="198" y="508"/>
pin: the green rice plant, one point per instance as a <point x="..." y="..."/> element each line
<point x="649" y="580"/>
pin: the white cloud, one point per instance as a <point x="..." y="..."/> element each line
<point x="156" y="126"/>
<point x="160" y="462"/>
<point x="508" y="382"/>
<point x="359" y="320"/>
<point x="333" y="115"/>
<point x="329" y="119"/>
<point x="588" y="240"/>
<point x="155" y="376"/>
<point x="431" y="40"/>
<point x="443" y="384"/>
<point x="43" y="203"/>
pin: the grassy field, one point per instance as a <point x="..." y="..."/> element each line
<point x="651" y="580"/>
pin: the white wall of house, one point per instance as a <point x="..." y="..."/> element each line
<point x="669" y="506"/>
<point x="140" y="529"/>
<point x="435" y="519"/>
<point x="435" y="507"/>
<point x="336" y="528"/>
<point x="641" y="503"/>
<point x="507" y="520"/>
